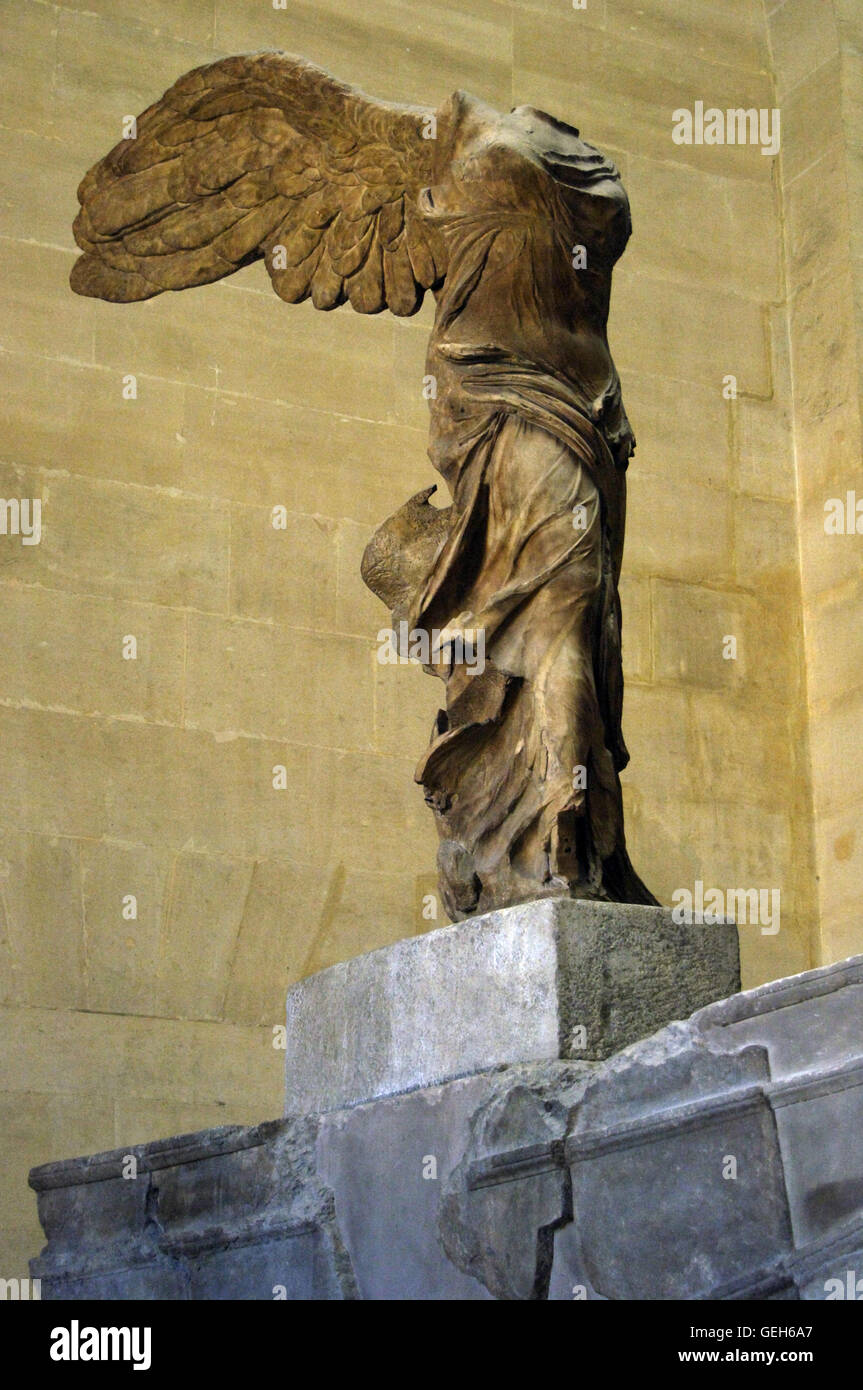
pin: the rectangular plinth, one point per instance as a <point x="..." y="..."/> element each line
<point x="555" y="978"/>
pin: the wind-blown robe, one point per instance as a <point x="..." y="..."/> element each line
<point x="529" y="432"/>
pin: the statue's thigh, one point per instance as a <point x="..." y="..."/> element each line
<point x="544" y="510"/>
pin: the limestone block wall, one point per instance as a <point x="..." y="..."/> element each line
<point x="818" y="58"/>
<point x="153" y="777"/>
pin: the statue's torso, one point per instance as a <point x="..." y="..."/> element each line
<point x="533" y="220"/>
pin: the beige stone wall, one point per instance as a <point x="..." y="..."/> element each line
<point x="255" y="647"/>
<point x="818" y="57"/>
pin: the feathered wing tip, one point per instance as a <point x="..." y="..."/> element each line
<point x="264" y="156"/>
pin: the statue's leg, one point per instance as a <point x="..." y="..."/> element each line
<point x="525" y="792"/>
<point x="557" y="631"/>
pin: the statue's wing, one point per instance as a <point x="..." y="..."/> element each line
<point x="264" y="156"/>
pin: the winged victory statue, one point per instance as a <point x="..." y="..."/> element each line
<point x="513" y="223"/>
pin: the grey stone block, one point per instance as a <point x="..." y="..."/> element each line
<point x="831" y="1270"/>
<point x="806" y="1022"/>
<point x="552" y="979"/>
<point x="811" y="1029"/>
<point x="677" y="1176"/>
<point x="226" y="1213"/>
<point x="295" y="1267"/>
<point x="824" y="1179"/>
<point x="635" y="1192"/>
<point x="502" y="1232"/>
<point x="387" y="1165"/>
<point x="551" y="1179"/>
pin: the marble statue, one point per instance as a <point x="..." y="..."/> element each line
<point x="514" y="223"/>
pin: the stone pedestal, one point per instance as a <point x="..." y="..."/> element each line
<point x="716" y="1158"/>
<point x="553" y="979"/>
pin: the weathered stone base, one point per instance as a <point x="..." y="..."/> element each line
<point x="719" y="1158"/>
<point x="550" y="980"/>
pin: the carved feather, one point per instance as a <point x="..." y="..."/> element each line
<point x="263" y="156"/>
